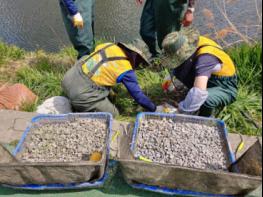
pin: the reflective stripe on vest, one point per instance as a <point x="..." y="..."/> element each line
<point x="208" y="46"/>
<point x="106" y="64"/>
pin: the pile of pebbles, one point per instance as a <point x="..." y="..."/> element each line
<point x="183" y="143"/>
<point x="69" y="141"/>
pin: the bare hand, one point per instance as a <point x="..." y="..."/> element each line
<point x="188" y="18"/>
<point x="139" y="2"/>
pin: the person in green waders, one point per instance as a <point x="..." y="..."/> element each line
<point x="78" y="17"/>
<point x="161" y="17"/>
<point x="204" y="67"/>
<point x="87" y="84"/>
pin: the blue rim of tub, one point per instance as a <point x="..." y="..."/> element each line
<point x="96" y="184"/>
<point x="172" y="192"/>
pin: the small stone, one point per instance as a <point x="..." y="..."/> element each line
<point x="187" y="144"/>
<point x="65" y="142"/>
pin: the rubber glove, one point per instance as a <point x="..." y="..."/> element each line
<point x="168" y="85"/>
<point x="78" y="21"/>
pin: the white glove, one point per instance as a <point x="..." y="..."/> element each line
<point x="78" y="21"/>
<point x="166" y="108"/>
<point x="193" y="101"/>
<point x="159" y="109"/>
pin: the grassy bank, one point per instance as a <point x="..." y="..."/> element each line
<point x="10" y="53"/>
<point x="43" y="73"/>
<point x="245" y="115"/>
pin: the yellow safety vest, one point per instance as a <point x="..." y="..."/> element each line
<point x="106" y="64"/>
<point x="208" y="46"/>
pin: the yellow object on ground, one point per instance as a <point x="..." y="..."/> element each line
<point x="95" y="157"/>
<point x="145" y="159"/>
<point x="166" y="110"/>
<point x="241" y="145"/>
<point x="115" y="136"/>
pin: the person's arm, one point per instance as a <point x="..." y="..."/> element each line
<point x="71" y="7"/>
<point x="129" y="80"/>
<point x="196" y="97"/>
<point x="77" y="19"/>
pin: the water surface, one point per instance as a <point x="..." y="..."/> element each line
<point x="34" y="24"/>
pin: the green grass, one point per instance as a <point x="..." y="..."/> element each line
<point x="248" y="60"/>
<point x="68" y="52"/>
<point x="10" y="52"/>
<point x="44" y="76"/>
<point x="245" y="115"/>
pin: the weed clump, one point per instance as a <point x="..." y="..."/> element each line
<point x="9" y="52"/>
<point x="245" y="115"/>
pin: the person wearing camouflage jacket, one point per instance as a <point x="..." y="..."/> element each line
<point x="204" y="68"/>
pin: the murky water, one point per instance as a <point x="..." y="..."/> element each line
<point x="34" y="24"/>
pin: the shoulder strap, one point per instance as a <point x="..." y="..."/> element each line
<point x="111" y="59"/>
<point x="104" y="59"/>
<point x="84" y="59"/>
